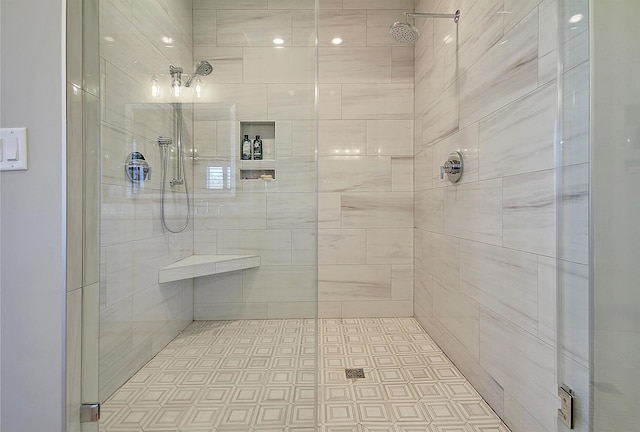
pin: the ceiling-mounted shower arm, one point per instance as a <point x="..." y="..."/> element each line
<point x="455" y="16"/>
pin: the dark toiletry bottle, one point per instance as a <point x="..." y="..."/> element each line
<point x="257" y="148"/>
<point x="245" y="148"/>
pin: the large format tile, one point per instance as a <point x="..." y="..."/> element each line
<point x="342" y="137"/>
<point x="502" y="280"/>
<point x="354" y="65"/>
<point x="282" y="65"/>
<point x="354" y="282"/>
<point x="355" y="173"/>
<point x="459" y="315"/>
<point x="341" y="246"/>
<point x="253" y="27"/>
<point x="522" y="364"/>
<point x="389" y="246"/>
<point x="365" y="101"/>
<point x="377" y="210"/>
<point x="529" y="212"/>
<point x="508" y="71"/>
<point x="474" y="211"/>
<point x="519" y="138"/>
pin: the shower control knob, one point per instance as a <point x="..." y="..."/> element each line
<point x="452" y="167"/>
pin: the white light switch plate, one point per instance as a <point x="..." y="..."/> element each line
<point x="13" y="149"/>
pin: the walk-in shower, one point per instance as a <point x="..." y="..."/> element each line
<point x="406" y="33"/>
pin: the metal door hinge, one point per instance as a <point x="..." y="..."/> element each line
<point x="89" y="413"/>
<point x="566" y="410"/>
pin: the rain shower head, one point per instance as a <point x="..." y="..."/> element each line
<point x="203" y="68"/>
<point x="403" y="32"/>
<point x="406" y="33"/>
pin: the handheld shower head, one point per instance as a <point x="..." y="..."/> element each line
<point x="203" y="68"/>
<point x="403" y="32"/>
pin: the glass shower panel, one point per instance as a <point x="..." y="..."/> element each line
<point x="573" y="208"/>
<point x="253" y="342"/>
<point x="615" y="207"/>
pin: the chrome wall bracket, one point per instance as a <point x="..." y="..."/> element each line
<point x="565" y="413"/>
<point x="89" y="413"/>
<point x="453" y="167"/>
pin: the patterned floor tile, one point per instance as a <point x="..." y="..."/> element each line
<point x="260" y="376"/>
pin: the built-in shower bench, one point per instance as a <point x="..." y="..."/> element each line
<point x="205" y="265"/>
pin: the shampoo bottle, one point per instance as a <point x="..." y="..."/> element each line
<point x="257" y="148"/>
<point x="245" y="148"/>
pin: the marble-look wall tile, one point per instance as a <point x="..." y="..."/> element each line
<point x="575" y="126"/>
<point x="288" y="310"/>
<point x="355" y="173"/>
<point x="230" y="311"/>
<point x="459" y="315"/>
<point x="389" y="246"/>
<point x="423" y="169"/>
<point x="439" y="256"/>
<point x="284" y="65"/>
<point x="402" y="174"/>
<point x="244" y="211"/>
<point x="547" y="298"/>
<point x="429" y="210"/>
<point x="529" y="212"/>
<point x="304" y="247"/>
<point x="375" y="308"/>
<point x="343" y="64"/>
<point x="253" y="27"/>
<point x="402" y="281"/>
<point x="518" y="418"/>
<point x="222" y="288"/>
<point x="230" y="4"/>
<point x="234" y="102"/>
<point x="329" y="208"/>
<point x="508" y="71"/>
<point x="204" y="27"/>
<point x="378" y="4"/>
<point x="226" y="62"/>
<point x="349" y="25"/>
<point x="441" y="118"/>
<point x="480" y="28"/>
<point x="291" y="210"/>
<point x="342" y="137"/>
<point x="273" y="246"/>
<point x="280" y="283"/>
<point x="548" y="22"/>
<point x="341" y="246"/>
<point x="365" y="101"/>
<point x="304" y="28"/>
<point x="291" y="4"/>
<point x="474" y="211"/>
<point x="574" y="226"/>
<point x="291" y="101"/>
<point x="329" y="101"/>
<point x="522" y="364"/>
<point x="75" y="200"/>
<point x="402" y="64"/>
<point x="516" y="10"/>
<point x="377" y="209"/>
<point x="519" y="138"/>
<point x="504" y="281"/>
<point x="573" y="333"/>
<point x="389" y="137"/>
<point x="354" y="282"/>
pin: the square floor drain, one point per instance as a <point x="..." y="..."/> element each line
<point x="354" y="373"/>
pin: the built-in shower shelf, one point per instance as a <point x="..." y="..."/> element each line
<point x="205" y="265"/>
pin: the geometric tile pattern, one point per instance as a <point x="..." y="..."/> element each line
<point x="260" y="375"/>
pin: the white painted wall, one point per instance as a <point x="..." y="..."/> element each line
<point x="33" y="294"/>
